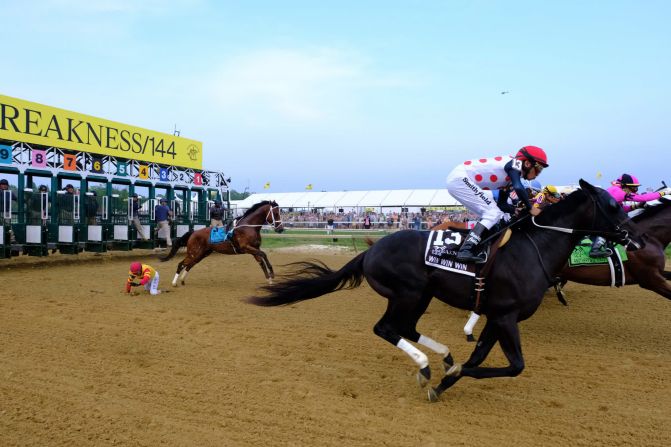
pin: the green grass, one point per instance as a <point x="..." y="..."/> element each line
<point x="346" y="240"/>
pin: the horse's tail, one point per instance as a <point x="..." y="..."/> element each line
<point x="181" y="242"/>
<point x="311" y="280"/>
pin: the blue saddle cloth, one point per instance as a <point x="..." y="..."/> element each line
<point x="218" y="234"/>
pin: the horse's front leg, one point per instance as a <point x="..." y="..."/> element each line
<point x="485" y="343"/>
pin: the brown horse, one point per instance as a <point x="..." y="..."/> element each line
<point x="246" y="238"/>
<point x="644" y="267"/>
<point x="449" y="225"/>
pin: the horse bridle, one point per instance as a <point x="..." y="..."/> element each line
<point x="270" y="219"/>
<point x="275" y="223"/>
<point x="620" y="234"/>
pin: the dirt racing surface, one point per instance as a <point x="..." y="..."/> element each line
<point x="82" y="364"/>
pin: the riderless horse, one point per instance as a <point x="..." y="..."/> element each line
<point x="644" y="267"/>
<point x="521" y="272"/>
<point x="246" y="238"/>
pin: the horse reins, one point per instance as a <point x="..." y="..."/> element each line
<point x="272" y="221"/>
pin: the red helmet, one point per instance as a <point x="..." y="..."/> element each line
<point x="534" y="154"/>
<point x="135" y="268"/>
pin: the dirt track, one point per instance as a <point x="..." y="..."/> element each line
<point x="83" y="364"/>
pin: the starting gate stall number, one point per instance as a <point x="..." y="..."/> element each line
<point x="69" y="162"/>
<point x="122" y="169"/>
<point x="38" y="158"/>
<point x="164" y="174"/>
<point x="5" y="154"/>
<point x="198" y="179"/>
<point x="143" y="172"/>
<point x="97" y="166"/>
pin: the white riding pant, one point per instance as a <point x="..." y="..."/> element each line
<point x="152" y="286"/>
<point x="477" y="200"/>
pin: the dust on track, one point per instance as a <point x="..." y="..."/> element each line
<point x="84" y="364"/>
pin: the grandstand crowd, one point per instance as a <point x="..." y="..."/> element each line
<point x="391" y="220"/>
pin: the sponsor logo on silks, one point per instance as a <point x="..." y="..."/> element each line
<point x="477" y="191"/>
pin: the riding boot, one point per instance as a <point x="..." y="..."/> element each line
<point x="599" y="249"/>
<point x="468" y="251"/>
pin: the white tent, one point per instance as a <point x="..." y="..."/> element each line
<point x="332" y="200"/>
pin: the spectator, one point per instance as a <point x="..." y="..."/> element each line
<point x="91" y="207"/>
<point x="217" y="214"/>
<point x="163" y="216"/>
<point x="135" y="216"/>
<point x="7" y="196"/>
<point x="366" y="222"/>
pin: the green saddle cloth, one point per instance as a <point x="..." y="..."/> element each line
<point x="580" y="254"/>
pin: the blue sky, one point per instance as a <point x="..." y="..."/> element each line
<point x="350" y="95"/>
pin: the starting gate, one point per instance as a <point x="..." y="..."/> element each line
<point x="69" y="222"/>
<point x="98" y="229"/>
<point x="36" y="223"/>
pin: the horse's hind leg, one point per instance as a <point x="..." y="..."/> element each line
<point x="400" y="321"/>
<point x="192" y="262"/>
<point x="180" y="267"/>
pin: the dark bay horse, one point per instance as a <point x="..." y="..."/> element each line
<point x="246" y="239"/>
<point x="644" y="267"/>
<point x="522" y="271"/>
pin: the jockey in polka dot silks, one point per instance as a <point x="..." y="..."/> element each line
<point x="625" y="191"/>
<point x="473" y="181"/>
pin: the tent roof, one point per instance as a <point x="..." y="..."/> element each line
<point x="335" y="199"/>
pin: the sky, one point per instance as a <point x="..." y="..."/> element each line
<point x="366" y="94"/>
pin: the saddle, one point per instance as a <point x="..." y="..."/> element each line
<point x="580" y="258"/>
<point x="441" y="251"/>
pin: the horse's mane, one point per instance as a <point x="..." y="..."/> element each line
<point x="570" y="202"/>
<point x="256" y="206"/>
<point x="652" y="211"/>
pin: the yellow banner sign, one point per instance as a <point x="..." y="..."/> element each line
<point x="34" y="123"/>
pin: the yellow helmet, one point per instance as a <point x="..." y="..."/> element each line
<point x="551" y="190"/>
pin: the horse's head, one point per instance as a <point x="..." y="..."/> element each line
<point x="610" y="219"/>
<point x="274" y="218"/>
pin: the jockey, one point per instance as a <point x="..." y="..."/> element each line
<point x="142" y="275"/>
<point x="625" y="191"/>
<point x="472" y="182"/>
<point x="547" y="196"/>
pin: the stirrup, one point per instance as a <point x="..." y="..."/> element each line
<point x="477" y="257"/>
<point x="603" y="252"/>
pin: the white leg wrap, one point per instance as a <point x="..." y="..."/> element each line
<point x="174" y="281"/>
<point x="418" y="356"/>
<point x="470" y="324"/>
<point x="433" y="345"/>
<point x="184" y="273"/>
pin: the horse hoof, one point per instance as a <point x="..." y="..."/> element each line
<point x="470" y="337"/>
<point x="174" y="284"/>
<point x="423" y="376"/>
<point x="183" y="283"/>
<point x="454" y="371"/>
<point x="432" y="394"/>
<point x="448" y="361"/>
